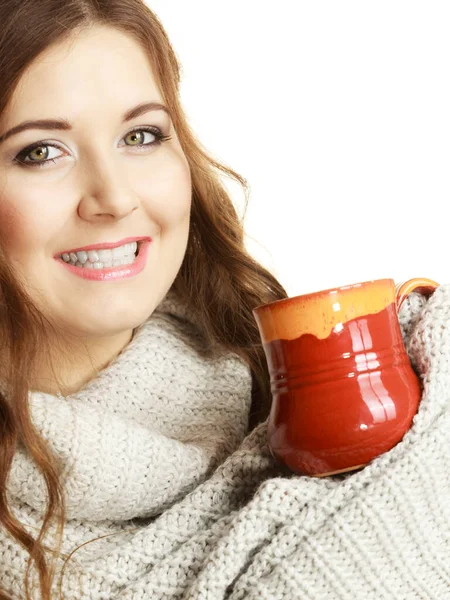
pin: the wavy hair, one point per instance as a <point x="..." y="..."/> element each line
<point x="217" y="270"/>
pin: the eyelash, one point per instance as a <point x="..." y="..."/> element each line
<point x="160" y="138"/>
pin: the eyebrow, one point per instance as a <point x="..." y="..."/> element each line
<point x="65" y="125"/>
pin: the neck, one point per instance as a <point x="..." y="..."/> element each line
<point x="70" y="370"/>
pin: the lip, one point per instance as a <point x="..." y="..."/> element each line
<point x="106" y="245"/>
<point x="112" y="273"/>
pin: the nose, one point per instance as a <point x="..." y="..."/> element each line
<point x="108" y="192"/>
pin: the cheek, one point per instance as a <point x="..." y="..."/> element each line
<point x="10" y="225"/>
<point x="21" y="231"/>
<point x="168" y="196"/>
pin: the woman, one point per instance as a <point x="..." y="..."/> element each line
<point x="78" y="185"/>
<point x="129" y="350"/>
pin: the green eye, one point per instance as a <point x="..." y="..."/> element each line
<point x="138" y="136"/>
<point x="39" y="153"/>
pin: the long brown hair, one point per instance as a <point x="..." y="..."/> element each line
<point x="225" y="281"/>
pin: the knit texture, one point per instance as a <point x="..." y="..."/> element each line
<point x="155" y="452"/>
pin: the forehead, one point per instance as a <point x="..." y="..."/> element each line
<point x="96" y="68"/>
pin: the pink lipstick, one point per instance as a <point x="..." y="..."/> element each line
<point x="112" y="273"/>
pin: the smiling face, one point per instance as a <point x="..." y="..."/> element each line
<point x="111" y="180"/>
<point x="109" y="175"/>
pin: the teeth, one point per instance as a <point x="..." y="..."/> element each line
<point x="92" y="256"/>
<point x="117" y="262"/>
<point x="104" y="257"/>
<point x="82" y="257"/>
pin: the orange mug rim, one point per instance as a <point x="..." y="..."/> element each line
<point x="323" y="292"/>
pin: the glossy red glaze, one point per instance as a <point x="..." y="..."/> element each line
<point x="340" y="401"/>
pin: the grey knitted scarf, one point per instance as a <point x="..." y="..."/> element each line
<point x="155" y="453"/>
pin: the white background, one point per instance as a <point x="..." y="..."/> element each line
<point x="338" y="115"/>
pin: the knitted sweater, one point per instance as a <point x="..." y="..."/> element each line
<point x="155" y="452"/>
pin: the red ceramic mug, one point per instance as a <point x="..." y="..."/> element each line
<point x="342" y="385"/>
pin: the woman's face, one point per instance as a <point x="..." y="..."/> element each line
<point x="102" y="187"/>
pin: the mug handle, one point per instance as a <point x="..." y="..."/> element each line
<point x="418" y="284"/>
